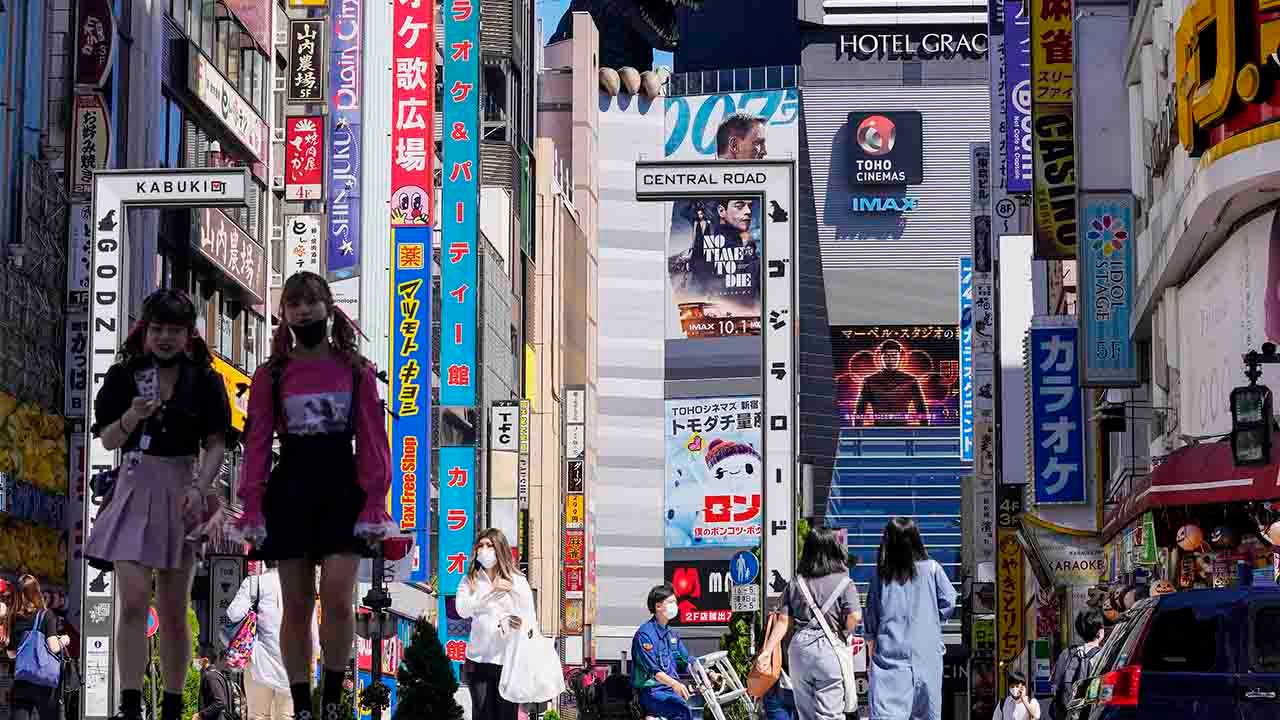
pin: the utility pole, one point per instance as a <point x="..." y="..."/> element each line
<point x="378" y="600"/>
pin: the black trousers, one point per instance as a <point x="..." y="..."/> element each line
<point x="486" y="703"/>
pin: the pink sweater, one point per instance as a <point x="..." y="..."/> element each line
<point x="316" y="397"/>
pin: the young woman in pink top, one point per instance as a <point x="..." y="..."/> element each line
<point x="324" y="503"/>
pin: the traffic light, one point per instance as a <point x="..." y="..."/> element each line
<point x="1251" y="425"/>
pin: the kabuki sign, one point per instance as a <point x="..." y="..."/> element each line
<point x="773" y="184"/>
<point x="412" y="108"/>
<point x="114" y="193"/>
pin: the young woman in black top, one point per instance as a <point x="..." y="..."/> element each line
<point x="31" y="701"/>
<point x="159" y="405"/>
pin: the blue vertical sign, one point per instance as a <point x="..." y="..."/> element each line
<point x="966" y="359"/>
<point x="457" y="533"/>
<point x="459" y="207"/>
<point x="1107" y="355"/>
<point x="1020" y="162"/>
<point x="343" y="169"/>
<point x="409" y="390"/>
<point x="1057" y="419"/>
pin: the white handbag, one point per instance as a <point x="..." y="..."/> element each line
<point x="531" y="671"/>
<point x="844" y="653"/>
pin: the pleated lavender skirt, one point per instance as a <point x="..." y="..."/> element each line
<point x="143" y="523"/>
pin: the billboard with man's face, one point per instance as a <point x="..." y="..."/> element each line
<point x="897" y="375"/>
<point x="713" y="268"/>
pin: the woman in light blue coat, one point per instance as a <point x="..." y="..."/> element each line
<point x="909" y="599"/>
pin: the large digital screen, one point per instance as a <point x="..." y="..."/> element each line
<point x="714" y="473"/>
<point x="897" y="375"/>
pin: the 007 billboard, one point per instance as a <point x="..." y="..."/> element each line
<point x="897" y="375"/>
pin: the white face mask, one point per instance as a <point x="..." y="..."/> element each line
<point x="487" y="558"/>
<point x="670" y="610"/>
<point x="1015" y="692"/>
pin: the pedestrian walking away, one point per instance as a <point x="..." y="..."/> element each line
<point x="499" y="601"/>
<point x="30" y="700"/>
<point x="821" y="587"/>
<point x="325" y="502"/>
<point x="163" y="406"/>
<point x="909" y="599"/>
<point x="266" y="683"/>
<point x="1073" y="663"/>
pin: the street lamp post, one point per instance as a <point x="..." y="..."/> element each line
<point x="1251" y="413"/>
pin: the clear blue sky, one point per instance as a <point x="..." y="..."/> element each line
<point x="550" y="12"/>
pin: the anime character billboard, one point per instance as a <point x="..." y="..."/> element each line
<point x="714" y="473"/>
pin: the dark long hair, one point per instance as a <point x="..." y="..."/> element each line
<point x="167" y="306"/>
<point x="900" y="549"/>
<point x="823" y="554"/>
<point x="309" y="287"/>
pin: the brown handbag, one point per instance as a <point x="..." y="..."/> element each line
<point x="760" y="683"/>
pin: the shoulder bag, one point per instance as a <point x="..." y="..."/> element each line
<point x="844" y="653"/>
<point x="244" y="636"/>
<point x="760" y="683"/>
<point x="35" y="663"/>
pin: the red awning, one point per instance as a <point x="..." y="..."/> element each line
<point x="1197" y="475"/>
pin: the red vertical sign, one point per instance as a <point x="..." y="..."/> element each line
<point x="304" y="158"/>
<point x="412" y="111"/>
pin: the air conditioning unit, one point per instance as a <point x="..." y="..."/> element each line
<point x="282" y="37"/>
<point x="277" y="183"/>
<point x="277" y="233"/>
<point x="281" y="83"/>
<point x="277" y="135"/>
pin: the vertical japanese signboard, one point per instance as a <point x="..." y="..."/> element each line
<point x="1010" y="576"/>
<point x="1107" y="357"/>
<point x="1017" y="63"/>
<point x="457" y="530"/>
<point x="302" y="244"/>
<point x="343" y="169"/>
<point x="306" y="55"/>
<point x="1057" y="420"/>
<point x="575" y="515"/>
<point x="966" y="359"/>
<point x="304" y="158"/>
<point x="1052" y="95"/>
<point x="90" y="141"/>
<point x="460" y="201"/>
<point x="409" y="390"/>
<point x="412" y="109"/>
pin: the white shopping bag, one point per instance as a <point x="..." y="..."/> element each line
<point x="531" y="670"/>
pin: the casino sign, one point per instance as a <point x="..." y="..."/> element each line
<point x="1228" y="72"/>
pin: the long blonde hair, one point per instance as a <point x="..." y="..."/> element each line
<point x="506" y="567"/>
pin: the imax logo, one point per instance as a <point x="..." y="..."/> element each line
<point x="882" y="203"/>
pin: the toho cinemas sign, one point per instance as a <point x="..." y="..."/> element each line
<point x="1227" y="70"/>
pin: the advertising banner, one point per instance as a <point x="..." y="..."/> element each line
<point x="1057" y="419"/>
<point x="90" y="141"/>
<point x="409" y="377"/>
<point x="714" y="472"/>
<point x="504" y="420"/>
<point x="304" y="158"/>
<point x="95" y="40"/>
<point x="575" y="511"/>
<point x="457" y="535"/>
<point x="302" y="243"/>
<point x="713" y="268"/>
<point x="1010" y="617"/>
<point x="703" y="591"/>
<point x="1017" y="62"/>
<point x="733" y="126"/>
<point x="342" y="259"/>
<point x="77" y="364"/>
<point x="305" y="83"/>
<point x="966" y="359"/>
<point x="234" y="251"/>
<point x="80" y="235"/>
<point x="413" y="107"/>
<point x="461" y="115"/>
<point x="897" y="375"/>
<point x="1107" y="356"/>
<point x="1076" y="562"/>
<point x="224" y="101"/>
<point x="887" y="148"/>
<point x="1052" y="95"/>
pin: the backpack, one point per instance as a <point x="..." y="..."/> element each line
<point x="35" y="662"/>
<point x="1077" y="667"/>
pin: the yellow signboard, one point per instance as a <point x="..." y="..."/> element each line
<point x="575" y="511"/>
<point x="1010" y="637"/>
<point x="237" y="390"/>
<point x="1054" y="185"/>
<point x="1052" y="74"/>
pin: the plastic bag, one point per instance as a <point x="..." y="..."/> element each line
<point x="530" y="667"/>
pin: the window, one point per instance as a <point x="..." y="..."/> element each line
<point x="1181" y="640"/>
<point x="494" y="82"/>
<point x="252" y="331"/>
<point x="173" y="134"/>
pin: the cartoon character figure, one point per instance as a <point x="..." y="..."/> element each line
<point x="684" y="510"/>
<point x="735" y="468"/>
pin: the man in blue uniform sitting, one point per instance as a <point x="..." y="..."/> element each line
<point x="659" y="655"/>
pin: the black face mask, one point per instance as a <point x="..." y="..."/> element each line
<point x="309" y="334"/>
<point x="166" y="362"/>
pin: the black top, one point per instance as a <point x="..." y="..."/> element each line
<point x="215" y="694"/>
<point x="199" y="408"/>
<point x="26" y="692"/>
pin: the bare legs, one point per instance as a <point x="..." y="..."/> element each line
<point x="172" y="598"/>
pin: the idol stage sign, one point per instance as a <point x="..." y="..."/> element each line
<point x="773" y="185"/>
<point x="115" y="192"/>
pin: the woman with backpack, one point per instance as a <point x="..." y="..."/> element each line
<point x="167" y="412"/>
<point x="909" y="599"/>
<point x="822" y="603"/>
<point x="30" y="622"/>
<point x="324" y="504"/>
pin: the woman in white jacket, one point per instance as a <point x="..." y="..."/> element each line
<point x="266" y="685"/>
<point x="499" y="601"/>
